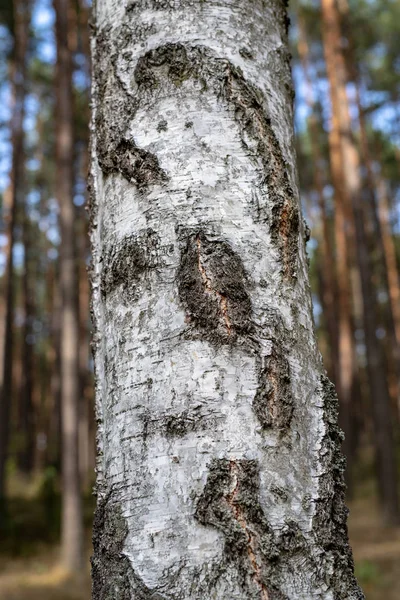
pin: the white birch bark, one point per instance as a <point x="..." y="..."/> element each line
<point x="219" y="470"/>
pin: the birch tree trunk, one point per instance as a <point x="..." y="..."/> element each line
<point x="219" y="469"/>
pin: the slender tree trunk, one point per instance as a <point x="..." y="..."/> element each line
<point x="393" y="287"/>
<point x="26" y="420"/>
<point x="328" y="279"/>
<point x="87" y="417"/>
<point x="53" y="359"/>
<point x="346" y="346"/>
<point x="348" y="171"/>
<point x="390" y="254"/>
<point x="219" y="466"/>
<point x="376" y="237"/>
<point x="382" y="245"/>
<point x="71" y="528"/>
<point x="21" y="23"/>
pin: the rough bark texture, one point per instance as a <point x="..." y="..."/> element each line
<point x="219" y="471"/>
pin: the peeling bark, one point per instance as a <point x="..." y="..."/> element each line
<point x="217" y="442"/>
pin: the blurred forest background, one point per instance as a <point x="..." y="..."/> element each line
<point x="346" y="69"/>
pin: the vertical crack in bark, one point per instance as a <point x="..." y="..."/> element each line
<point x="239" y="516"/>
<point x="222" y="299"/>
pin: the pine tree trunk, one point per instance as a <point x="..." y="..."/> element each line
<point x="21" y="26"/>
<point x="328" y="279"/>
<point x="377" y="239"/>
<point x="346" y="346"/>
<point x="53" y="359"/>
<point x="347" y="180"/>
<point x="390" y="255"/>
<point x="219" y="471"/>
<point x="26" y="416"/>
<point x="381" y="242"/>
<point x="71" y="527"/>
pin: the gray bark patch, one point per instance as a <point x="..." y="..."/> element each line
<point x="273" y="402"/>
<point x="127" y="263"/>
<point x="212" y="288"/>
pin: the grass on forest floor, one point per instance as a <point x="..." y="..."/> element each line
<point x="29" y="571"/>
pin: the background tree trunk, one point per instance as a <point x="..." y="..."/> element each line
<point x="347" y="366"/>
<point x="21" y="27"/>
<point x="350" y="184"/>
<point x="219" y="466"/>
<point x="71" y="526"/>
<point x="328" y="281"/>
<point x="26" y="414"/>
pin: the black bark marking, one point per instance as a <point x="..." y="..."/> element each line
<point x="230" y="502"/>
<point x="139" y="5"/>
<point x="212" y="288"/>
<point x="127" y="263"/>
<point x="177" y="425"/>
<point x="162" y="125"/>
<point x="254" y="123"/>
<point x="330" y="520"/>
<point x="273" y="402"/>
<point x="246" y="53"/>
<point x="135" y="164"/>
<point x="114" y="111"/>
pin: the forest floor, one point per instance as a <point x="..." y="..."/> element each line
<point x="34" y="574"/>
